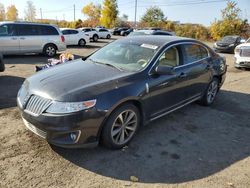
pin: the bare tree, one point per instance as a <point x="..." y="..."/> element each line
<point x="30" y="11"/>
<point x="2" y="12"/>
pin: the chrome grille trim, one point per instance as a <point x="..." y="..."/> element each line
<point x="36" y="105"/>
<point x="34" y="129"/>
<point x="245" y="52"/>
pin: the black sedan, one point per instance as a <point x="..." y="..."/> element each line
<point x="118" y="31"/>
<point x="227" y="44"/>
<point x="107" y="96"/>
<point x="151" y="32"/>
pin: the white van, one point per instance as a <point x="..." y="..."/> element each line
<point x="25" y="37"/>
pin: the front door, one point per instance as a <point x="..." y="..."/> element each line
<point x="9" y="41"/>
<point x="168" y="91"/>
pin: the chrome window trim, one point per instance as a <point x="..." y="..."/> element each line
<point x="179" y="43"/>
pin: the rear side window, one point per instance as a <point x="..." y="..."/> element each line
<point x="103" y="30"/>
<point x="7" y="30"/>
<point x="48" y="30"/>
<point x="73" y="32"/>
<point x="194" y="52"/>
<point x="65" y="32"/>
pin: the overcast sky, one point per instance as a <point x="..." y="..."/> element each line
<point x="185" y="11"/>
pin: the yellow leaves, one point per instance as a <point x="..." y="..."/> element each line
<point x="12" y="13"/>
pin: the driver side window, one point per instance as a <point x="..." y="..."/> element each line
<point x="170" y="57"/>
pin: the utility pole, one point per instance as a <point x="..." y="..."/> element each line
<point x="74" y="12"/>
<point x="135" y="12"/>
<point x="41" y="13"/>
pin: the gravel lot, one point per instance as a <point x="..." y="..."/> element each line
<point x="193" y="147"/>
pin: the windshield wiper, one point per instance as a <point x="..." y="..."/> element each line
<point x="108" y="64"/>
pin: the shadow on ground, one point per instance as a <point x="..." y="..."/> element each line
<point x="189" y="144"/>
<point x="9" y="86"/>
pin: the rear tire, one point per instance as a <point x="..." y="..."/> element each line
<point x="81" y="42"/>
<point x="121" y="126"/>
<point x="108" y="36"/>
<point x="95" y="38"/>
<point x="50" y="50"/>
<point x="210" y="93"/>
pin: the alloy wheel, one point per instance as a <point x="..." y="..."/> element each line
<point x="124" y="127"/>
<point x="50" y="51"/>
<point x="212" y="91"/>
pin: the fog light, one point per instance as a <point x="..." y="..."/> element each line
<point x="75" y="136"/>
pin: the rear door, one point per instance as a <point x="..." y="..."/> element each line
<point x="197" y="68"/>
<point x="9" y="41"/>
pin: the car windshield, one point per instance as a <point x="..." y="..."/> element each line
<point x="125" y="55"/>
<point x="229" y="39"/>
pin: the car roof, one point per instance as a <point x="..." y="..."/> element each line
<point x="67" y="29"/>
<point x="23" y="22"/>
<point x="158" y="40"/>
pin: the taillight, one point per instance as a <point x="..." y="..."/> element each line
<point x="62" y="38"/>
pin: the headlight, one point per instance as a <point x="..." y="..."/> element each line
<point x="231" y="45"/>
<point x="237" y="50"/>
<point x="69" y="107"/>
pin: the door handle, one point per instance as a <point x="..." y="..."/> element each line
<point x="22" y="38"/>
<point x="182" y="75"/>
<point x="14" y="38"/>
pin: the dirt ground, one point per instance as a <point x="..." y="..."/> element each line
<point x="193" y="147"/>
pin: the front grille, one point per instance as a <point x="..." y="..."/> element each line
<point x="245" y="52"/>
<point x="36" y="105"/>
<point x="34" y="129"/>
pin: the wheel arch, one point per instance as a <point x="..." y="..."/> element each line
<point x="135" y="102"/>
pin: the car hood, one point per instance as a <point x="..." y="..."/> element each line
<point x="244" y="44"/>
<point x="74" y="81"/>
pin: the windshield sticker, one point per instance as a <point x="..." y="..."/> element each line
<point x="149" y="46"/>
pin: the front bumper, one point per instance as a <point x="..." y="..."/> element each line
<point x="242" y="62"/>
<point x="58" y="129"/>
<point x="224" y="49"/>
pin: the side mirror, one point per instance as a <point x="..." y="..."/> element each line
<point x="165" y="70"/>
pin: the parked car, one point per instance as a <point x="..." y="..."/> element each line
<point x="242" y="55"/>
<point x="151" y="32"/>
<point x="117" y="31"/>
<point x="75" y="37"/>
<point x="91" y="32"/>
<point x="126" y="32"/>
<point x="2" y="66"/>
<point x="227" y="44"/>
<point x="24" y="37"/>
<point x="107" y="96"/>
<point x="103" y="33"/>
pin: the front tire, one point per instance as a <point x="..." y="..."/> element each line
<point x="121" y="126"/>
<point x="210" y="93"/>
<point x="50" y="50"/>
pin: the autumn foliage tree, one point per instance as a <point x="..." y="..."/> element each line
<point x="12" y="13"/>
<point x="2" y="12"/>
<point x="109" y="13"/>
<point x="154" y="17"/>
<point x="93" y="12"/>
<point x="30" y="11"/>
<point x="230" y="24"/>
